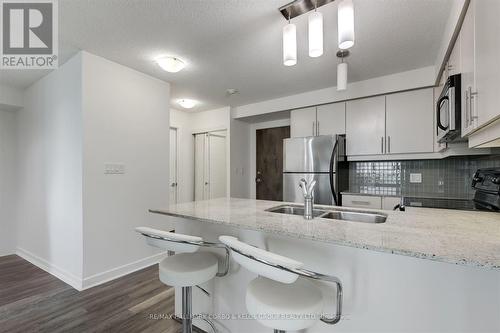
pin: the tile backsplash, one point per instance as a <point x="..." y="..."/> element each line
<point x="450" y="177"/>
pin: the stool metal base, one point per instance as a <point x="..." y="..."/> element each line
<point x="187" y="310"/>
<point x="279" y="331"/>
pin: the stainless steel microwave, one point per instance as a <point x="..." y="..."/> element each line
<point x="449" y="111"/>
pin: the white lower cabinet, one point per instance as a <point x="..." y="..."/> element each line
<point x="388" y="203"/>
<point x="369" y="201"/>
<point x="362" y="201"/>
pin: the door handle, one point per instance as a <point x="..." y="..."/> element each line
<point x="313" y="129"/>
<point x="317" y="127"/>
<point x="382" y="144"/>
<point x="388" y="144"/>
<point x="173" y="184"/>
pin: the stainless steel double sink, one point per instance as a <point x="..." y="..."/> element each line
<point x="332" y="213"/>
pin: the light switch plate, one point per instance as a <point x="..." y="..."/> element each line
<point x="415" y="177"/>
<point x="114" y="169"/>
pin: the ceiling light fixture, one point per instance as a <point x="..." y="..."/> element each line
<point x="315" y="34"/>
<point x="187" y="103"/>
<point x="346" y="24"/>
<point x="170" y="64"/>
<point x="289" y="44"/>
<point x="342" y="70"/>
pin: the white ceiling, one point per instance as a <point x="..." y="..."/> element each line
<point x="237" y="43"/>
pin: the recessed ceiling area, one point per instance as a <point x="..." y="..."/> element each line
<point x="238" y="44"/>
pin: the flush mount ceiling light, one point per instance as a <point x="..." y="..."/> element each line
<point x="187" y="103"/>
<point x="346" y="24"/>
<point x="315" y="34"/>
<point x="170" y="64"/>
<point x="342" y="70"/>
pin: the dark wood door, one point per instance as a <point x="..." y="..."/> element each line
<point x="269" y="149"/>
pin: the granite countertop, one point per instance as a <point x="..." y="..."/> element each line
<point x="459" y="237"/>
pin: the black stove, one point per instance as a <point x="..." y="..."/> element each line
<point x="487" y="185"/>
<point x="486" y="182"/>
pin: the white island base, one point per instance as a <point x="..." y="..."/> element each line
<point x="383" y="292"/>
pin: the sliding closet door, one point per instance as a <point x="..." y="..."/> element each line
<point x="217" y="164"/>
<point x="199" y="166"/>
<point x="173" y="166"/>
<point x="210" y="170"/>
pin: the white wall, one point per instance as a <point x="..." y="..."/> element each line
<point x="49" y="170"/>
<point x="7" y="182"/>
<point x="10" y="98"/>
<point x="185" y="154"/>
<point x="125" y="121"/>
<point x="418" y="78"/>
<point x="240" y="159"/>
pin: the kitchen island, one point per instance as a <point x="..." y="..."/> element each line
<point x="452" y="236"/>
<point x="423" y="270"/>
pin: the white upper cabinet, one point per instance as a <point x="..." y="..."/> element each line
<point x="454" y="65"/>
<point x="410" y="122"/>
<point x="331" y="119"/>
<point x="487" y="55"/>
<point x="303" y="122"/>
<point x="466" y="37"/>
<point x="365" y="126"/>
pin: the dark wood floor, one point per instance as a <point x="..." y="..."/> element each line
<point x="32" y="300"/>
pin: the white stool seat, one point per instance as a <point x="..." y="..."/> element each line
<point x="281" y="306"/>
<point x="188" y="269"/>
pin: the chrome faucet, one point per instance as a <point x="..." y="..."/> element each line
<point x="308" y="192"/>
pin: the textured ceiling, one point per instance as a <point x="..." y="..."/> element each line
<point x="237" y="43"/>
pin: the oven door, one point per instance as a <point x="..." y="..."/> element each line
<point x="445" y="115"/>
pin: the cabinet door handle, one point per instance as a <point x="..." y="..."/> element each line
<point x="467" y="107"/>
<point x="388" y="144"/>
<point x="382" y="144"/>
<point x="313" y="129"/>
<point x="317" y="127"/>
<point x="472" y="97"/>
<point x="363" y="203"/>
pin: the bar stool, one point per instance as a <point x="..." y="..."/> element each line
<point x="282" y="297"/>
<point x="188" y="268"/>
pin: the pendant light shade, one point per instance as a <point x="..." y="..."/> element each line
<point x="346" y="24"/>
<point x="289" y="45"/>
<point x="342" y="76"/>
<point x="315" y="34"/>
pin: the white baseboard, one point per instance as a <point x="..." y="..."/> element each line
<point x="59" y="273"/>
<point x="120" y="271"/>
<point x="6" y="253"/>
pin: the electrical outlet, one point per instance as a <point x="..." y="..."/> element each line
<point x="415" y="177"/>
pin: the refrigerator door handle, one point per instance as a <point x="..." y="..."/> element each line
<point x="332" y="163"/>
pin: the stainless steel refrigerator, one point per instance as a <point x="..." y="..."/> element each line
<point x="319" y="158"/>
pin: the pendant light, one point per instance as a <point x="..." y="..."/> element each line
<point x="342" y="70"/>
<point x="346" y="24"/>
<point x="315" y="33"/>
<point x="289" y="44"/>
